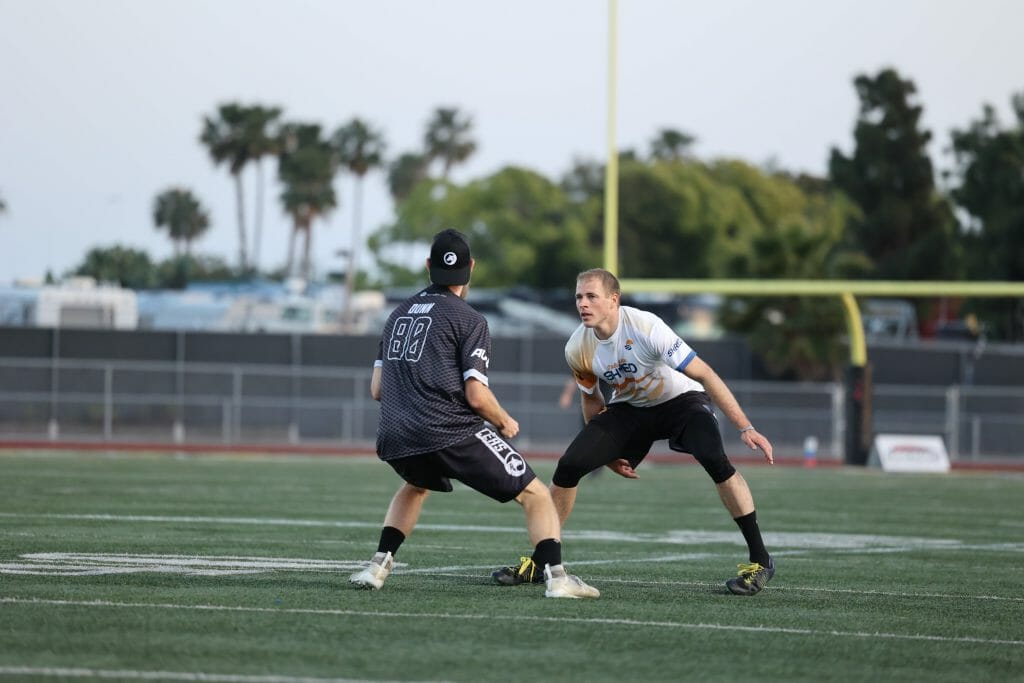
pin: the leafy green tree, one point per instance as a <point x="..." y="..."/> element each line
<point x="130" y="268"/>
<point x="729" y="219"/>
<point x="906" y="228"/>
<point x="677" y="220"/>
<point x="360" y="148"/>
<point x="989" y="176"/>
<point x="448" y="138"/>
<point x="306" y="169"/>
<point x="584" y="180"/>
<point x="583" y="185"/>
<point x="805" y="221"/>
<point x="521" y="226"/>
<point x="405" y="173"/>
<point x="671" y="145"/>
<point x="182" y="215"/>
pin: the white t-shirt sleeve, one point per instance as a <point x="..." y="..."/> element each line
<point x="672" y="350"/>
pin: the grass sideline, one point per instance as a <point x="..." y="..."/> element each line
<point x="234" y="568"/>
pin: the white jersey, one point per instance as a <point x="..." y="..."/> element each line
<point x="642" y="361"/>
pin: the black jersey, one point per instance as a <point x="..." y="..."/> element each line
<point x="432" y="343"/>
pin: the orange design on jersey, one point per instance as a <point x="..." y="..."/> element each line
<point x="589" y="380"/>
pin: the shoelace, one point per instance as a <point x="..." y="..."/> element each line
<point x="527" y="568"/>
<point x="749" y="570"/>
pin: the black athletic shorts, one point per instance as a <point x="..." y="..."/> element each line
<point x="484" y="462"/>
<point x="625" y="431"/>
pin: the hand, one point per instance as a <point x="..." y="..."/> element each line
<point x="622" y="468"/>
<point x="509" y="428"/>
<point x="756" y="440"/>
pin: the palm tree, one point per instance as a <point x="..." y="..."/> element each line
<point x="182" y="215"/>
<point x="306" y="170"/>
<point x="236" y="136"/>
<point x="671" y="145"/>
<point x="359" y="148"/>
<point x="223" y="137"/>
<point x="448" y="138"/>
<point x="262" y="139"/>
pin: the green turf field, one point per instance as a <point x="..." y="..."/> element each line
<point x="235" y="569"/>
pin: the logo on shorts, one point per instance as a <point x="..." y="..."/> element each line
<point x="513" y="462"/>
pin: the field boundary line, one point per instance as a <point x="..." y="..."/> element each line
<point x="604" y="621"/>
<point x="129" y="674"/>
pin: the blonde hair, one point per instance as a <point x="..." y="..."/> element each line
<point x="608" y="281"/>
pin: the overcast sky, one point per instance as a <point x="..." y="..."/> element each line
<point x="101" y="101"/>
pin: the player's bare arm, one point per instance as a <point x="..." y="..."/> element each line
<point x="727" y="403"/>
<point x="592" y="404"/>
<point x="375" y="383"/>
<point x="482" y="400"/>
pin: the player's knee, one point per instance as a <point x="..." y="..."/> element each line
<point x="704" y="441"/>
<point x="567" y="476"/>
<point x="532" y="492"/>
<point x="575" y="464"/>
<point x="592" y="448"/>
<point x="711" y="456"/>
<point x="717" y="466"/>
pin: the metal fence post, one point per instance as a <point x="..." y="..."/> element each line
<point x="296" y="378"/>
<point x="225" y="421"/>
<point x="53" y="426"/>
<point x="975" y="436"/>
<point x="361" y="392"/>
<point x="178" y="429"/>
<point x="838" y="418"/>
<point x="953" y="421"/>
<point x="108" y="402"/>
<point x="237" y="399"/>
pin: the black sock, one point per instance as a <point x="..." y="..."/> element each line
<point x="390" y="539"/>
<point x="548" y="551"/>
<point x="752" y="535"/>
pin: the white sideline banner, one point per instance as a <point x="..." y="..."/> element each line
<point x="909" y="453"/>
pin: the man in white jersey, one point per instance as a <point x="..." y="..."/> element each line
<point x="430" y="377"/>
<point x="661" y="390"/>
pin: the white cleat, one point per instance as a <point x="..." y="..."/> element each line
<point x="372" y="578"/>
<point x="563" y="585"/>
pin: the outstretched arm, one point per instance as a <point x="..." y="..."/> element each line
<point x="713" y="384"/>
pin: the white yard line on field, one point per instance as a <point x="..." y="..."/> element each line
<point x="791" y="540"/>
<point x="470" y="571"/>
<point x="129" y="675"/>
<point x="505" y="618"/>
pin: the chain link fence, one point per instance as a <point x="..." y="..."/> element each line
<point x="244" y="404"/>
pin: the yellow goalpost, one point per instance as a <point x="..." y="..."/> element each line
<point x="858" y="387"/>
<point x="858" y="375"/>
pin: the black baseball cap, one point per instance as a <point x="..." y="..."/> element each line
<point x="449" y="258"/>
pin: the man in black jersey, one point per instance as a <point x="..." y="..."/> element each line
<point x="430" y="377"/>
